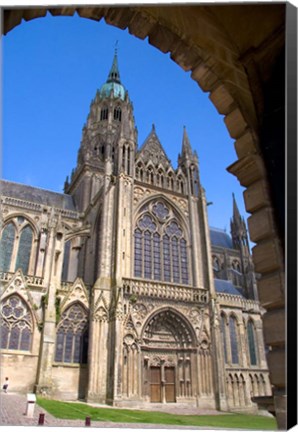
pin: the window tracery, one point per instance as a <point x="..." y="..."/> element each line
<point x="16" y="245"/>
<point x="17" y="325"/>
<point x="72" y="336"/>
<point x="160" y="246"/>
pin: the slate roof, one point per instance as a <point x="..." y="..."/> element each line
<point x="226" y="286"/>
<point x="220" y="238"/>
<point x="36" y="195"/>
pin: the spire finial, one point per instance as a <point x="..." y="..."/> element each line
<point x="186" y="147"/>
<point x="114" y="75"/>
<point x="236" y="213"/>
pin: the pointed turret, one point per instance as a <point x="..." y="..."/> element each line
<point x="238" y="229"/>
<point x="186" y="147"/>
<point x="188" y="162"/>
<point x="236" y="214"/>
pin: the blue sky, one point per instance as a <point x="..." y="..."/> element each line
<point x="52" y="68"/>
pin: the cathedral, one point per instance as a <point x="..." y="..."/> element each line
<point x="117" y="291"/>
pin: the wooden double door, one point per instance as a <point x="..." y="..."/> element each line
<point x="162" y="384"/>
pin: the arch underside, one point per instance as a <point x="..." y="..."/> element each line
<point x="230" y="54"/>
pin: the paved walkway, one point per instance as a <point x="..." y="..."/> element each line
<point x="13" y="413"/>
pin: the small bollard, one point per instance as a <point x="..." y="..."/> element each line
<point x="41" y="419"/>
<point x="88" y="421"/>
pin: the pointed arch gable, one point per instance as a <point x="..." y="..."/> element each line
<point x="77" y="293"/>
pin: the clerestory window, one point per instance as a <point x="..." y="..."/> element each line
<point x="16" y="246"/>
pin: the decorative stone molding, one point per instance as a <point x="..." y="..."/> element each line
<point x="165" y="291"/>
<point x="77" y="292"/>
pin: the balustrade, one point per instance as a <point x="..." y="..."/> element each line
<point x="164" y="291"/>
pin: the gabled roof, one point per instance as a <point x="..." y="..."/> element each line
<point x="226" y="287"/>
<point x="36" y="195"/>
<point x="153" y="151"/>
<point x="220" y="238"/>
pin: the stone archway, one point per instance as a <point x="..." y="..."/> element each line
<point x="231" y="54"/>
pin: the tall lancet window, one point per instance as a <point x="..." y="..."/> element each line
<point x="234" y="339"/>
<point x="224" y="336"/>
<point x="160" y="246"/>
<point x="251" y="343"/>
<point x="104" y="113"/>
<point x="117" y="113"/>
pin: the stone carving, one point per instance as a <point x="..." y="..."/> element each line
<point x="101" y="314"/>
<point x="139" y="311"/>
<point x="77" y="292"/>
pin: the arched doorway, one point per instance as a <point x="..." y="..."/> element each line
<point x="168" y="350"/>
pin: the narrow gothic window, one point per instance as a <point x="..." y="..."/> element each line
<point x="156" y="256"/>
<point x="224" y="337"/>
<point x="166" y="259"/>
<point x="104" y="113"/>
<point x="6" y="246"/>
<point x="66" y="261"/>
<point x="17" y="326"/>
<point x="117" y="114"/>
<point x="72" y="336"/>
<point x="24" y="250"/>
<point x="138" y="253"/>
<point x="251" y="343"/>
<point x="234" y="340"/>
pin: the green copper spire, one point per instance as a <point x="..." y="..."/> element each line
<point x="113" y="87"/>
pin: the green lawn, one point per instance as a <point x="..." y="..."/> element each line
<point x="67" y="410"/>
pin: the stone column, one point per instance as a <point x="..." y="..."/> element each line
<point x="47" y="346"/>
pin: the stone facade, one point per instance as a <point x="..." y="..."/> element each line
<point x="118" y="291"/>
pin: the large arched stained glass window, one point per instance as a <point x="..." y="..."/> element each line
<point x="251" y="343"/>
<point x="160" y="248"/>
<point x="6" y="246"/>
<point x="234" y="340"/>
<point x="16" y="325"/>
<point x="72" y="336"/>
